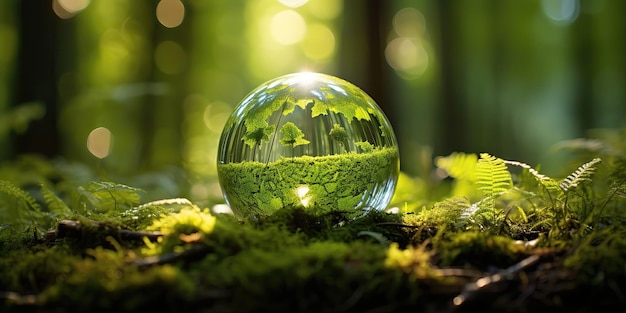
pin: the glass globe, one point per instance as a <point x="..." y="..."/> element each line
<point x="307" y="140"/>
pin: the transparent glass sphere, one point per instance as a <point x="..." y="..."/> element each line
<point x="307" y="140"/>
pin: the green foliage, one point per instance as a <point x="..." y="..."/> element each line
<point x="109" y="196"/>
<point x="364" y="146"/>
<point x="339" y="135"/>
<point x="12" y="190"/>
<point x="19" y="209"/>
<point x="292" y="135"/>
<point x="582" y="173"/>
<point x="462" y="168"/>
<point x="259" y="135"/>
<point x="20" y="117"/>
<point x="492" y="176"/>
<point x="53" y="202"/>
<point x="114" y="253"/>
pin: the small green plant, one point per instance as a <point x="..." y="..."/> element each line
<point x="339" y="135"/>
<point x="292" y="136"/>
<point x="257" y="136"/>
<point x="365" y="146"/>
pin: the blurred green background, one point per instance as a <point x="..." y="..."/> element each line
<point x="138" y="86"/>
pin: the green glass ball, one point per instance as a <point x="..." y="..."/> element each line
<point x="307" y="140"/>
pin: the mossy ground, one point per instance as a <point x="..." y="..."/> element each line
<point x="494" y="241"/>
<point x="296" y="262"/>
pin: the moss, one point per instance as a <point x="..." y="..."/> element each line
<point x="600" y="257"/>
<point x="258" y="279"/>
<point x="328" y="183"/>
<point x="312" y="258"/>
<point x="479" y="249"/>
<point x="127" y="289"/>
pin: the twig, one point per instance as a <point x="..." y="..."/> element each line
<point x="398" y="224"/>
<point x="195" y="251"/>
<point x="18" y="299"/>
<point x="74" y="229"/>
<point x="474" y="289"/>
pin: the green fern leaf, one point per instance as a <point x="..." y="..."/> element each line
<point x="547" y="182"/>
<point x="492" y="175"/>
<point x="109" y="196"/>
<point x="377" y="236"/>
<point x="458" y="165"/>
<point x="583" y="173"/>
<point x="455" y="204"/>
<point x="617" y="179"/>
<point x="20" y="194"/>
<point x="53" y="202"/>
<point x="26" y="212"/>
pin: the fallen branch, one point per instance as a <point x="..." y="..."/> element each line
<point x="74" y="229"/>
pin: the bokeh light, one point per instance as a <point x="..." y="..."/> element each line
<point x="409" y="22"/>
<point x="293" y="3"/>
<point x="325" y="9"/>
<point x="406" y="52"/>
<point x="99" y="142"/>
<point x="319" y="43"/>
<point x="407" y="56"/>
<point x="215" y="116"/>
<point x="170" y="13"/>
<point x="562" y="12"/>
<point x="68" y="8"/>
<point x="287" y="27"/>
<point x="170" y="57"/>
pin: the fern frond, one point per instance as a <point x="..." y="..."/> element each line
<point x="453" y="204"/>
<point x="492" y="175"/>
<point x="587" y="144"/>
<point x="53" y="202"/>
<point x="458" y="165"/>
<point x="378" y="236"/>
<point x="583" y="173"/>
<point x="25" y="213"/>
<point x="109" y="196"/>
<point x="14" y="191"/>
<point x="544" y="180"/>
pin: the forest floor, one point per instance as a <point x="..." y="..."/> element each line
<point x="504" y="239"/>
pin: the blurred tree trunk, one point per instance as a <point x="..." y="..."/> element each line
<point x="161" y="125"/>
<point x="361" y="51"/>
<point x="451" y="117"/>
<point x="584" y="56"/>
<point x="37" y="76"/>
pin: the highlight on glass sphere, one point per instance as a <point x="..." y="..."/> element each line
<point x="307" y="140"/>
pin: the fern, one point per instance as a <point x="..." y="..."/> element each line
<point x="583" y="173"/>
<point x="461" y="167"/>
<point x="20" y="194"/>
<point x="53" y="202"/>
<point x="618" y="179"/>
<point x="447" y="211"/>
<point x="617" y="188"/>
<point x="538" y="176"/>
<point x="549" y="184"/>
<point x="492" y="176"/>
<point x="14" y="215"/>
<point x="586" y="144"/>
<point x="458" y="165"/>
<point x="109" y="196"/>
<point x="384" y="241"/>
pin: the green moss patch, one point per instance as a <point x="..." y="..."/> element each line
<point x="343" y="182"/>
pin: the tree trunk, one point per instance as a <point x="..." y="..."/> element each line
<point x="37" y="76"/>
